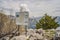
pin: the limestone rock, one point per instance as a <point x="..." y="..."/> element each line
<point x="21" y="37"/>
<point x="7" y="25"/>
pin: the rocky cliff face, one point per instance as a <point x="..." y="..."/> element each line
<point x="7" y="25"/>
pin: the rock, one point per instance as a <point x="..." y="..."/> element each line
<point x="5" y="38"/>
<point x="7" y="25"/>
<point x="21" y="37"/>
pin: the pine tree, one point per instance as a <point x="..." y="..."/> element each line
<point x="47" y="22"/>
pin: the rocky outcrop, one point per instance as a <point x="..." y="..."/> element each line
<point x="36" y="34"/>
<point x="7" y="25"/>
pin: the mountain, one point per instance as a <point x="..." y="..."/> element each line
<point x="58" y="19"/>
<point x="32" y="21"/>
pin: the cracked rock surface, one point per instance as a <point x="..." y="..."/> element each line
<point x="7" y="25"/>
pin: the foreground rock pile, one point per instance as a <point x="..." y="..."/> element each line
<point x="34" y="34"/>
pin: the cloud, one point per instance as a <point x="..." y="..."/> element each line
<point x="36" y="7"/>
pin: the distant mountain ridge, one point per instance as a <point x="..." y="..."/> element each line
<point x="58" y="19"/>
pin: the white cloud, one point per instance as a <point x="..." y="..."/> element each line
<point x="37" y="7"/>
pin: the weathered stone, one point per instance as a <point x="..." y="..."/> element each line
<point x="21" y="37"/>
<point x="7" y="25"/>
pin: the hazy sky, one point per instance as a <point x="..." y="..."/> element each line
<point x="36" y="7"/>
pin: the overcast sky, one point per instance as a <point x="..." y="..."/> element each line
<point x="37" y="7"/>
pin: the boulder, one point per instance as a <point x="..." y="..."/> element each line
<point x="7" y="25"/>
